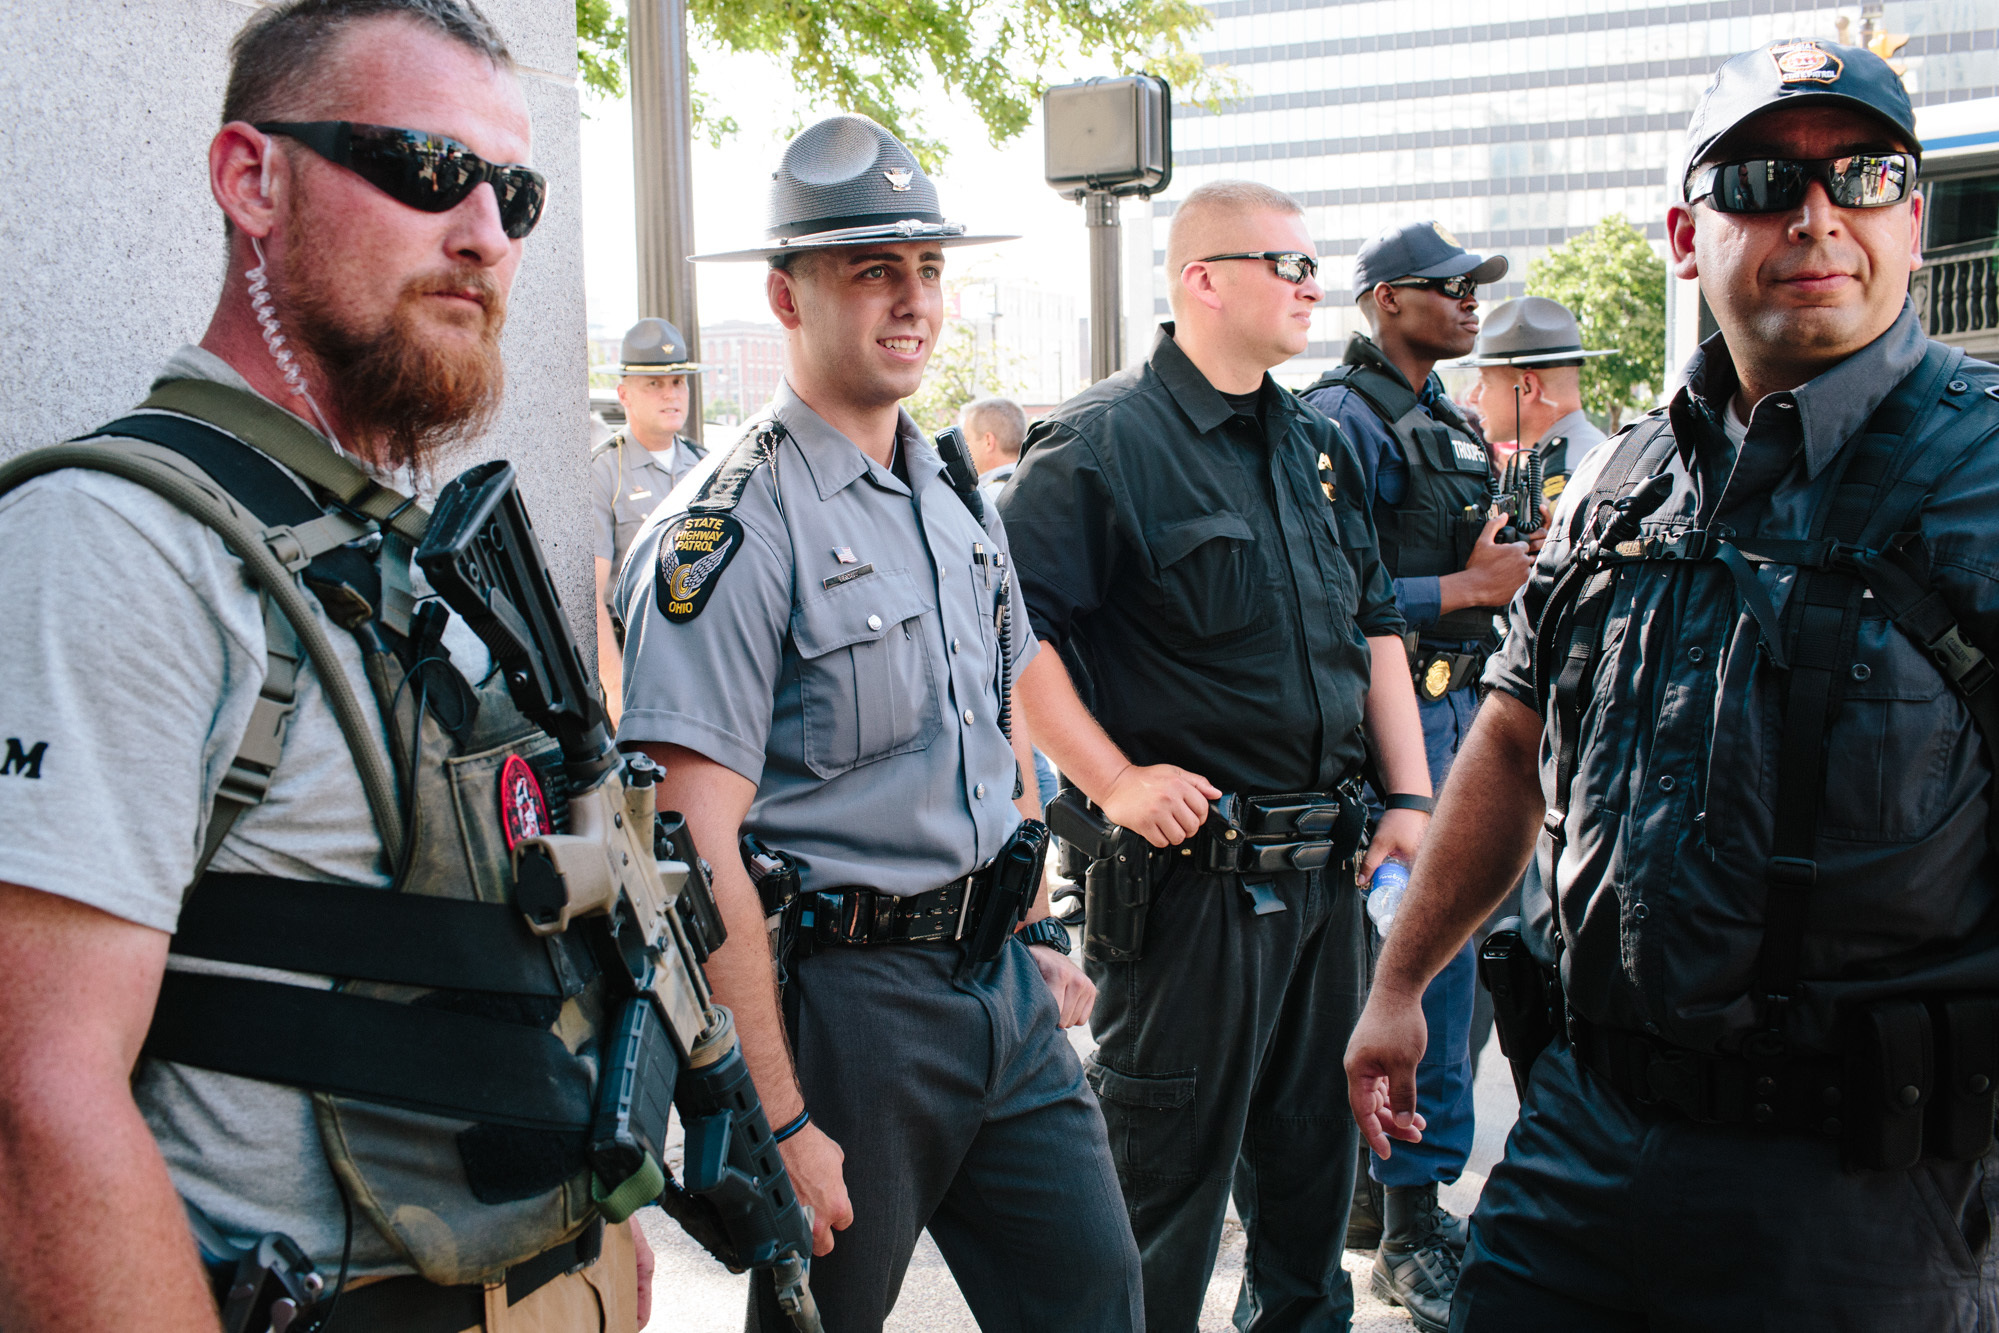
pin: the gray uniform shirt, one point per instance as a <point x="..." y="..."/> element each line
<point x="1579" y="438"/>
<point x="845" y="659"/>
<point x="1660" y="887"/>
<point x="627" y="482"/>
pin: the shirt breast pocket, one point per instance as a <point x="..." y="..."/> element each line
<point x="1889" y="756"/>
<point x="867" y="677"/>
<point x="1208" y="582"/>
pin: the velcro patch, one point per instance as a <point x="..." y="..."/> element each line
<point x="523" y="808"/>
<point x="692" y="555"/>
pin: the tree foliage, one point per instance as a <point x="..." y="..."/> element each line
<point x="873" y="56"/>
<point x="1614" y="283"/>
<point x="959" y="371"/>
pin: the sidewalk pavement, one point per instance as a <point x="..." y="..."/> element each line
<point x="694" y="1294"/>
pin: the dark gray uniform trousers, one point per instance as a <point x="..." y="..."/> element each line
<point x="961" y="1107"/>
<point x="1605" y="1217"/>
<point x="1219" y="1066"/>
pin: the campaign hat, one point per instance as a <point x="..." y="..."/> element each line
<point x="655" y="347"/>
<point x="846" y="181"/>
<point x="1796" y="72"/>
<point x="1530" y="331"/>
<point x="1420" y="250"/>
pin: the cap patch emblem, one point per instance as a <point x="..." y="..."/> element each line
<point x="1806" y="62"/>
<point x="523" y="809"/>
<point x="692" y="556"/>
<point x="1446" y="237"/>
<point x="899" y="180"/>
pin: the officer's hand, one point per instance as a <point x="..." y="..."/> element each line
<point x="1073" y="990"/>
<point x="1161" y="803"/>
<point x="643" y="1247"/>
<point x="1496" y="570"/>
<point x="814" y="1162"/>
<point x="1381" y="1068"/>
<point x="1398" y="835"/>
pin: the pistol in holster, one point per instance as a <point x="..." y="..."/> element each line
<point x="775" y="876"/>
<point x="1115" y="866"/>
<point x="1526" y="998"/>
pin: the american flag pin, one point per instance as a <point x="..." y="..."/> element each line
<point x="843" y="554"/>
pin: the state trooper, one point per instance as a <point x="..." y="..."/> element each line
<point x="821" y="637"/>
<point x="631" y="473"/>
<point x="1430" y="483"/>
<point x="1529" y="357"/>
<point x="233" y="804"/>
<point x="1751" y="675"/>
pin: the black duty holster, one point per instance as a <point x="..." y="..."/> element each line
<point x="1526" y="998"/>
<point x="1115" y="867"/>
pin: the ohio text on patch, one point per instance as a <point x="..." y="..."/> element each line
<point x="692" y="556"/>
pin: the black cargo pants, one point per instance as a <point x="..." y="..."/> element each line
<point x="1219" y="1067"/>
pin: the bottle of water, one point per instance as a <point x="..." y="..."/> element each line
<point x="1384" y="894"/>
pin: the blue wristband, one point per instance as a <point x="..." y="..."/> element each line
<point x="804" y="1119"/>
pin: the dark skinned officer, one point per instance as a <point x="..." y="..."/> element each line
<point x="1766" y="804"/>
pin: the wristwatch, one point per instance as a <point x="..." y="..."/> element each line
<point x="1047" y="931"/>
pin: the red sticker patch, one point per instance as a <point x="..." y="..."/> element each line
<point x="523" y="809"/>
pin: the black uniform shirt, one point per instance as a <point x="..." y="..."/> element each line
<point x="1661" y="886"/>
<point x="1188" y="560"/>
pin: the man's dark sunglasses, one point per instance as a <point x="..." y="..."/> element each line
<point x="1460" y="288"/>
<point x="1292" y="266"/>
<point x="1778" y="184"/>
<point x="425" y="171"/>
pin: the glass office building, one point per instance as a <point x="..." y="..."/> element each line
<point x="1517" y="124"/>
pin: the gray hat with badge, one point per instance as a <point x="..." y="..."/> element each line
<point x="655" y="347"/>
<point x="1420" y="250"/>
<point x="1531" y="331"/>
<point x="847" y="181"/>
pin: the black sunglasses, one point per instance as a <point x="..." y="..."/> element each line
<point x="1778" y="184"/>
<point x="425" y="171"/>
<point x="1292" y="266"/>
<point x="1458" y="289"/>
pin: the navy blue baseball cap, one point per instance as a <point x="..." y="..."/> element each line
<point x="1793" y="73"/>
<point x="1420" y="250"/>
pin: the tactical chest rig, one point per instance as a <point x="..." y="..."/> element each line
<point x="1430" y="533"/>
<point x="1917" y="1075"/>
<point x="492" y="1068"/>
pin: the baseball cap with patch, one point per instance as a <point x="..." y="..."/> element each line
<point x="1420" y="250"/>
<point x="1796" y="72"/>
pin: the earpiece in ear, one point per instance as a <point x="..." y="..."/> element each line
<point x="264" y="173"/>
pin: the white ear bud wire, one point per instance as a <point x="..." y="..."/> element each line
<point x="274" y="337"/>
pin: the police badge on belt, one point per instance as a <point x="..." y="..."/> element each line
<point x="692" y="556"/>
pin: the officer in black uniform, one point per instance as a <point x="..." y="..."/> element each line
<point x="1430" y="483"/>
<point x="1231" y="630"/>
<point x="1751" y="671"/>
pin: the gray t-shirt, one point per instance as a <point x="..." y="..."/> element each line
<point x="136" y="656"/>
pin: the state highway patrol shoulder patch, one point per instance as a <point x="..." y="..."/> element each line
<point x="692" y="555"/>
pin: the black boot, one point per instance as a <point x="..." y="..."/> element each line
<point x="1364" y="1214"/>
<point x="1416" y="1268"/>
<point x="1453" y="1230"/>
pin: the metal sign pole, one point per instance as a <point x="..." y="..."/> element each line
<point x="662" y="138"/>
<point x="1100" y="214"/>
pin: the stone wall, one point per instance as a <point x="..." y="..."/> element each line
<point x="113" y="252"/>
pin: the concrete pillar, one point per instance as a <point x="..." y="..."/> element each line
<point x="113" y="247"/>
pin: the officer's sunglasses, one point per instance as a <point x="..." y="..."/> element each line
<point x="1778" y="184"/>
<point x="1291" y="266"/>
<point x="1460" y="288"/>
<point x="425" y="171"/>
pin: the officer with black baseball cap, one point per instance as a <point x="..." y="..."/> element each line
<point x="1747" y="703"/>
<point x="1429" y="484"/>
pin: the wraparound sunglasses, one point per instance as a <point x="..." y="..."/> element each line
<point x="425" y="171"/>
<point x="1778" y="184"/>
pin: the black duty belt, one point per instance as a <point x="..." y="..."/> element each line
<point x="1249" y="835"/>
<point x="1799" y="1093"/>
<point x="409" y="1304"/>
<point x="1437" y="673"/>
<point x="853" y="914"/>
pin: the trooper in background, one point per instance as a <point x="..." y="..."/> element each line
<point x="1529" y="356"/>
<point x="994" y="429"/>
<point x="631" y="473"/>
<point x="1767" y="806"/>
<point x="1429" y="482"/>
<point x="1235" y="633"/>
<point x="821" y="637"/>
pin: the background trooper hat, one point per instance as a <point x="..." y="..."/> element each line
<point x="1530" y="331"/>
<point x="1796" y="72"/>
<point x="1420" y="250"/>
<point x="655" y="347"/>
<point x="847" y="181"/>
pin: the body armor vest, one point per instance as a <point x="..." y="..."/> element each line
<point x="1430" y="533"/>
<point x="452" y="1063"/>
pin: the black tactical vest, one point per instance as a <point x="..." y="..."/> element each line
<point x="1430" y="533"/>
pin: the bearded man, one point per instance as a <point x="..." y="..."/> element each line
<point x="172" y="1046"/>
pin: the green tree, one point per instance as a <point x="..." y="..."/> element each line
<point x="959" y="371"/>
<point x="1616" y="285"/>
<point x="871" y="56"/>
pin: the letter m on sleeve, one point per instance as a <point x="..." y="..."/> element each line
<point x="27" y="763"/>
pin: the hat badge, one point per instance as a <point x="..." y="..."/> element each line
<point x="898" y="180"/>
<point x="1444" y="235"/>
<point x="1806" y="62"/>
